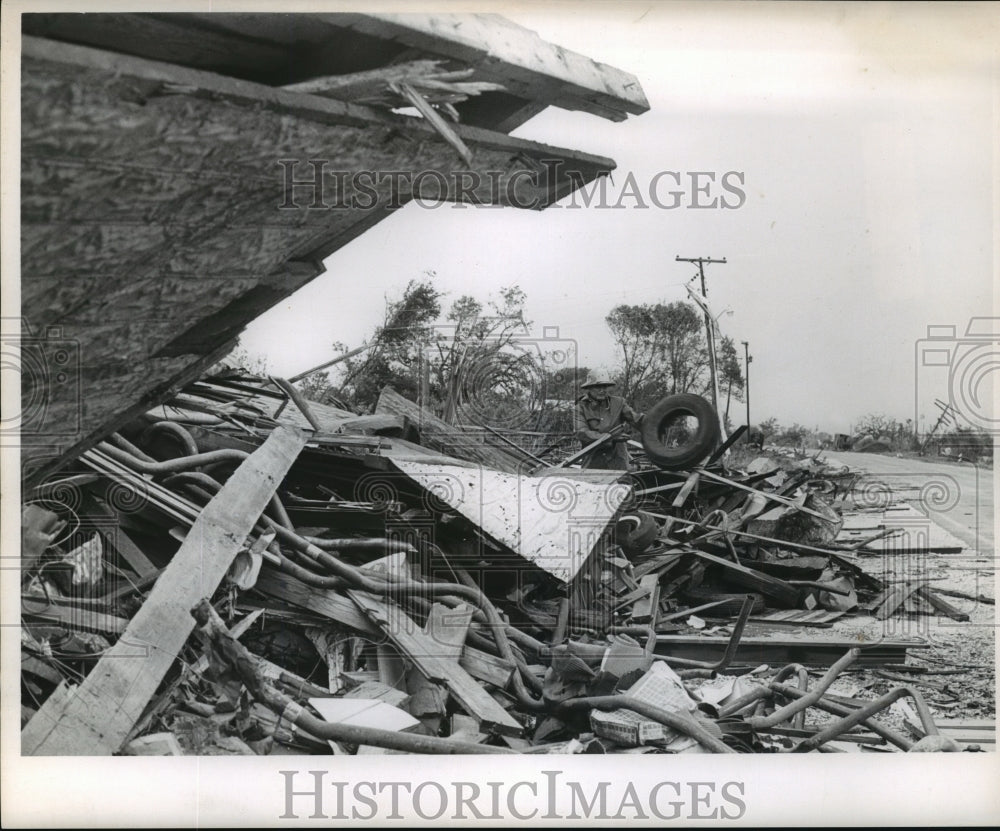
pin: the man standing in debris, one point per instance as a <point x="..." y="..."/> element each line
<point x="598" y="413"/>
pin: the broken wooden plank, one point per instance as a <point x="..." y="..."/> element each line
<point x="447" y="628"/>
<point x="431" y="115"/>
<point x="424" y="653"/>
<point x="329" y="603"/>
<point x="940" y="604"/>
<point x="98" y="716"/>
<point x="485" y="667"/>
<point x="896" y="597"/>
<point x="800" y="617"/>
<point x="981" y="598"/>
<point x="646" y="608"/>
<point x="772" y="587"/>
<point x="503" y="51"/>
<point x="438" y="435"/>
<point x="814" y="651"/>
<point x="685" y="491"/>
<point x="724" y="447"/>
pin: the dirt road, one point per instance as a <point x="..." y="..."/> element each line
<point x="958" y="497"/>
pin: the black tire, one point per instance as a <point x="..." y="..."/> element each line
<point x="636" y="531"/>
<point x="685" y="455"/>
<point x="730" y="608"/>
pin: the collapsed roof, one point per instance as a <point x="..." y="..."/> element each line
<point x="157" y="153"/>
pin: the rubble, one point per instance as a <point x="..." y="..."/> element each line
<point x="286" y="576"/>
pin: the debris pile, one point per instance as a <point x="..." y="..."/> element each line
<point x="285" y="576"/>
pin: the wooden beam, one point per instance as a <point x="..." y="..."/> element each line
<point x="97" y="717"/>
<point x="685" y="491"/>
<point x="485" y="667"/>
<point x="896" y="597"/>
<point x="157" y="38"/>
<point x="499" y="111"/>
<point x="814" y="651"/>
<point x="444" y="438"/>
<point x="426" y="655"/>
<point x="329" y="603"/>
<point x="199" y="84"/>
<point x="773" y="587"/>
<point x="510" y="54"/>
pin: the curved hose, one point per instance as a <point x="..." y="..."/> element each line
<point x="231" y="653"/>
<point x="377" y="544"/>
<point x="358" y="579"/>
<point x="341" y="572"/>
<point x="128" y="447"/>
<point x="864" y="713"/>
<point x="154" y="468"/>
<point x="186" y="477"/>
<point x="175" y="431"/>
<point x="807" y="700"/>
<point x="828" y="706"/>
<point x="731" y="647"/>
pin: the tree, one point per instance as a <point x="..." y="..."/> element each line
<point x="769" y="428"/>
<point x="876" y="424"/>
<point x="316" y="386"/>
<point x="476" y="365"/>
<point x="399" y="347"/>
<point x="250" y="364"/>
<point x="794" y="435"/>
<point x="662" y="350"/>
<point x="565" y="384"/>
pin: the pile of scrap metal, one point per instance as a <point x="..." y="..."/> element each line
<point x="241" y="571"/>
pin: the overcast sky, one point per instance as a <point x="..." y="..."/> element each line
<point x="866" y="139"/>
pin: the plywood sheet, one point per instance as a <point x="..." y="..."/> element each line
<point x="553" y="521"/>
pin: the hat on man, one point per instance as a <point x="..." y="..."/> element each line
<point x="597" y="378"/>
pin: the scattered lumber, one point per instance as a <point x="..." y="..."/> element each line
<point x="444" y="438"/>
<point x="511" y="607"/>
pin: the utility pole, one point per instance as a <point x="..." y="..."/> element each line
<point x="709" y="325"/>
<point x="748" y="358"/>
<point x="947" y="417"/>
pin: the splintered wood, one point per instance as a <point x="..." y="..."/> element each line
<point x="95" y="718"/>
